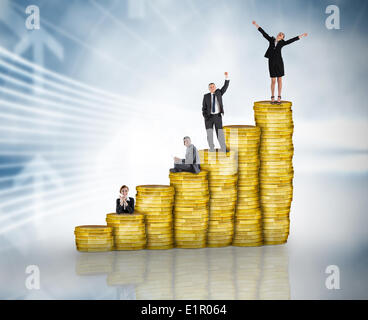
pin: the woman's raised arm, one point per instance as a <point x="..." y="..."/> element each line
<point x="262" y="31"/>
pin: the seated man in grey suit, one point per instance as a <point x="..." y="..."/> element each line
<point x="191" y="163"/>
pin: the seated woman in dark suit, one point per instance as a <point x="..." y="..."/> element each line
<point x="124" y="204"/>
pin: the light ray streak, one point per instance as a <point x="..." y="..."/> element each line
<point x="83" y="44"/>
<point x="52" y="124"/>
<point x="60" y="106"/>
<point x="94" y="90"/>
<point x="128" y="30"/>
<point x="49" y="193"/>
<point x="45" y="133"/>
<point x="65" y="180"/>
<point x="61" y="96"/>
<point x="53" y="206"/>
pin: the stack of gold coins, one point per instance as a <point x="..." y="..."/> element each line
<point x="94" y="238"/>
<point x="245" y="139"/>
<point x="129" y="230"/>
<point x="156" y="203"/>
<point x="276" y="171"/>
<point x="222" y="182"/>
<point x="190" y="208"/>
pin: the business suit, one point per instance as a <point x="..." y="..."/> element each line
<point x="273" y="53"/>
<point x="214" y="119"/>
<point x="191" y="163"/>
<point x="128" y="209"/>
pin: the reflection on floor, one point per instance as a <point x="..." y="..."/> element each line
<point x="210" y="273"/>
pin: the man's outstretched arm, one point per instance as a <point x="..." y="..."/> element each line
<point x="226" y="84"/>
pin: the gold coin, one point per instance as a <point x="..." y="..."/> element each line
<point x="250" y="244"/>
<point x="95" y="249"/>
<point x="93" y="237"/>
<point x="153" y="205"/>
<point x="94" y="245"/>
<point x="93" y="234"/>
<point x="154" y="187"/>
<point x="129" y="216"/>
<point x="93" y="228"/>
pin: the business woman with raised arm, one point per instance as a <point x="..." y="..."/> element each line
<point x="275" y="61"/>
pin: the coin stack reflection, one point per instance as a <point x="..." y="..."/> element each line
<point x="248" y="267"/>
<point x="158" y="284"/>
<point x="129" y="268"/>
<point x="274" y="284"/>
<point x="191" y="274"/>
<point x="221" y="274"/>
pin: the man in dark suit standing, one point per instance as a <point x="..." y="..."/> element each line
<point x="212" y="111"/>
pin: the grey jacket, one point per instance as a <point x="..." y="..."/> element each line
<point x="192" y="157"/>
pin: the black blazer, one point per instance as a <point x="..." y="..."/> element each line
<point x="128" y="209"/>
<point x="206" y="105"/>
<point x="272" y="51"/>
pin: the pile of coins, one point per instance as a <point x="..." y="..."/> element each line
<point x="190" y="208"/>
<point x="276" y="170"/>
<point x="128" y="230"/>
<point x="94" y="238"/>
<point x="245" y="139"/>
<point x="222" y="182"/>
<point x="156" y="203"/>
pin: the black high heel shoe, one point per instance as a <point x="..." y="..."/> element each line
<point x="278" y="102"/>
<point x="273" y="101"/>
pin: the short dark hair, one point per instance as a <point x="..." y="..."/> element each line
<point x="122" y="187"/>
<point x="210" y="83"/>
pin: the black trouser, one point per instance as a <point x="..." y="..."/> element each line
<point x="215" y="119"/>
<point x="184" y="167"/>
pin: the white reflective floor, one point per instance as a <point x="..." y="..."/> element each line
<point x="328" y="227"/>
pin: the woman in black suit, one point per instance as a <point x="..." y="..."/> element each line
<point x="275" y="62"/>
<point x="124" y="204"/>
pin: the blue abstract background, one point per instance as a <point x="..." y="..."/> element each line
<point x="102" y="94"/>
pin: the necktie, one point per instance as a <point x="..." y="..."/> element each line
<point x="213" y="103"/>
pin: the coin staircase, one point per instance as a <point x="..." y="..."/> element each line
<point x="240" y="198"/>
